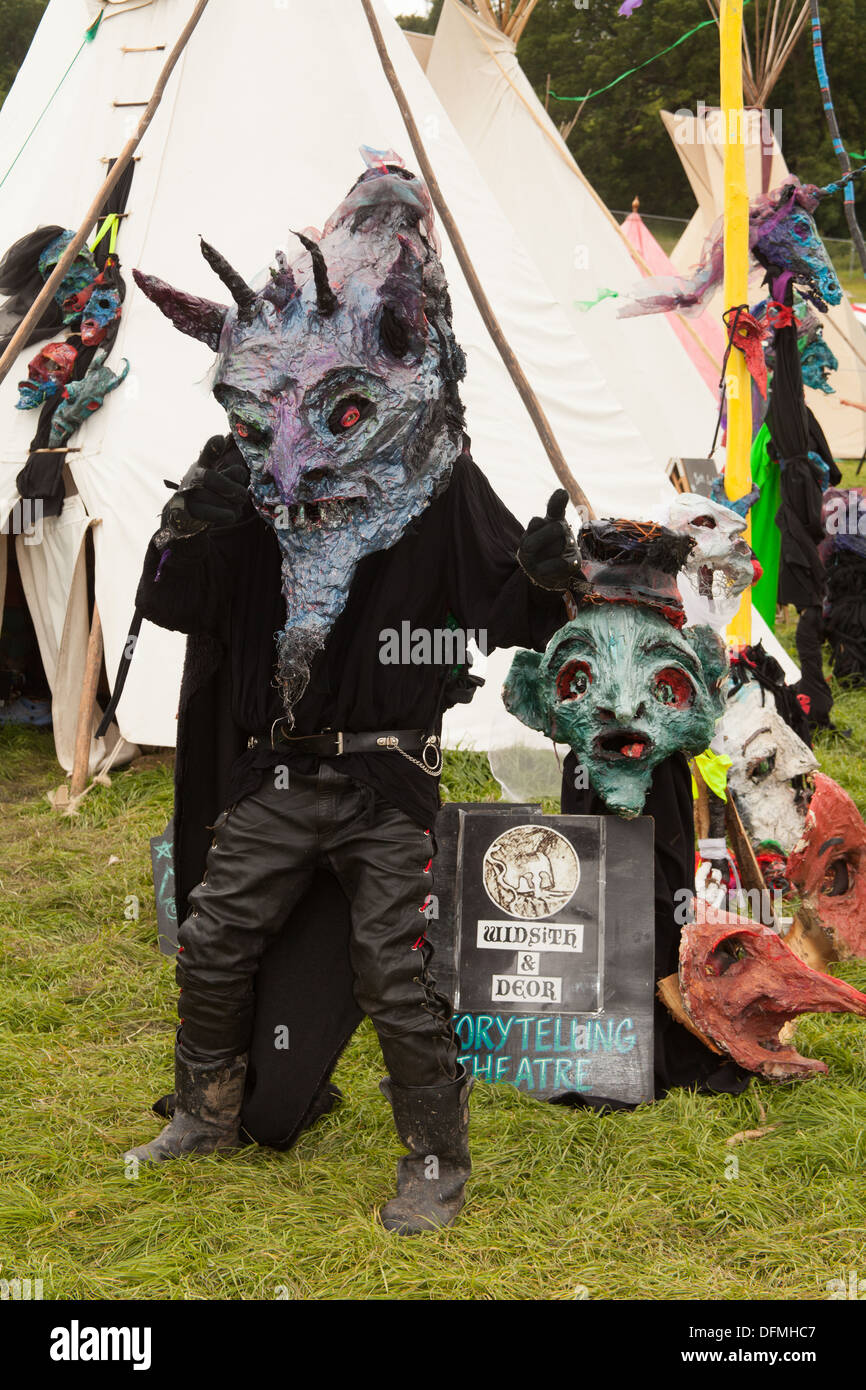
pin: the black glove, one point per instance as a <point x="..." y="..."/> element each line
<point x="548" y="551"/>
<point x="214" y="492"/>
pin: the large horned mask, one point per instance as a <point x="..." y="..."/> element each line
<point x="339" y="379"/>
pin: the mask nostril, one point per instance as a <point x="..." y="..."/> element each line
<point x="315" y="475"/>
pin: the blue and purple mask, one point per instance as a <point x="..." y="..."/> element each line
<point x="339" y="379"/>
<point x="782" y="237"/>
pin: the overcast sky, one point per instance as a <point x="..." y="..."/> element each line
<point x="407" y="6"/>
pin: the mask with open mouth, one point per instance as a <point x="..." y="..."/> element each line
<point x="339" y="378"/>
<point x="741" y="984"/>
<point x="620" y="683"/>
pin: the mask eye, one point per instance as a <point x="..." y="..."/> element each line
<point x="838" y="879"/>
<point x="760" y="768"/>
<point x="392" y="333"/>
<point x="348" y="413"/>
<point x="708" y="521"/>
<point x="573" y="681"/>
<point x="250" y="431"/>
<point x="673" y="688"/>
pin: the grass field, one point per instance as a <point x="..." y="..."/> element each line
<point x="562" y="1204"/>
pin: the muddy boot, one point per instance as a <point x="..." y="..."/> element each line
<point x="433" y="1123"/>
<point x="207" y="1110"/>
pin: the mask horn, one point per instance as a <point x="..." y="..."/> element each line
<point x="243" y="296"/>
<point x="198" y="318"/>
<point x="326" y="300"/>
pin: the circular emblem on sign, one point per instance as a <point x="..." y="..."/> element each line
<point x="530" y="871"/>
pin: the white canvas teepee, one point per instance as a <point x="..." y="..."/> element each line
<point x="571" y="237"/>
<point x="698" y="142"/>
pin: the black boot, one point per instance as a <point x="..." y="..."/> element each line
<point x="433" y="1123"/>
<point x="207" y="1110"/>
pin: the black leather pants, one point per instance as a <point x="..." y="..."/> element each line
<point x="263" y="856"/>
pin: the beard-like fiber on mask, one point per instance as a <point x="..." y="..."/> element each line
<point x="318" y="566"/>
<point x="409" y="459"/>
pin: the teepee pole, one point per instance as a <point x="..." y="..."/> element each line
<point x="39" y="305"/>
<point x="833" y="124"/>
<point x="84" y="726"/>
<point x="491" y="323"/>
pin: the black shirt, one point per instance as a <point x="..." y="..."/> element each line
<point x="457" y="559"/>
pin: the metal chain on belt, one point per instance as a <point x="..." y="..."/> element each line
<point x="432" y="743"/>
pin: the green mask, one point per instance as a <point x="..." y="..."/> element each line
<point x="625" y="689"/>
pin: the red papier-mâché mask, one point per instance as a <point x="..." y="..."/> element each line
<point x="827" y="867"/>
<point x="741" y="984"/>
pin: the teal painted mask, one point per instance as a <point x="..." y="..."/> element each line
<point x="624" y="689"/>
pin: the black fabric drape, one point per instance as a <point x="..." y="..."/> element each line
<point x="458" y="558"/>
<point x="801" y="573"/>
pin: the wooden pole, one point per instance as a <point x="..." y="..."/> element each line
<point x="736" y="285"/>
<point x="36" y="310"/>
<point x="833" y="124"/>
<point x="491" y="323"/>
<point x="84" y="726"/>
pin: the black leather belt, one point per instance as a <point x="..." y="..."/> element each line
<point x="332" y="743"/>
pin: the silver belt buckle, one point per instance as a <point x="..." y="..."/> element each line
<point x="339" y="738"/>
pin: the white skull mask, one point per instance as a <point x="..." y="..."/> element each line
<point x="766" y="755"/>
<point x="721" y="565"/>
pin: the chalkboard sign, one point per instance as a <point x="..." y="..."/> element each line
<point x="162" y="861"/>
<point x="693" y="475"/>
<point x="554" y="953"/>
<point x="441" y="913"/>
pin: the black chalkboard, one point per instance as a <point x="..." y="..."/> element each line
<point x="441" y="914"/>
<point x="554" y="952"/>
<point x="699" y="474"/>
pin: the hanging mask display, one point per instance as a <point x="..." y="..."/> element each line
<point x="76" y="286"/>
<point x="817" y="360"/>
<point x="748" y="335"/>
<point x="82" y="398"/>
<point x="782" y="234"/>
<point x="103" y="308"/>
<point x="47" y="372"/>
<point x="620" y="683"/>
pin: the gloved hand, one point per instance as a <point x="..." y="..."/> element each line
<point x="214" y="492"/>
<point x="548" y="551"/>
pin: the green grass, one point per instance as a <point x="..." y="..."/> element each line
<point x="641" y="1205"/>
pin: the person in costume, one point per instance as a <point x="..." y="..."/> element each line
<point x="344" y="504"/>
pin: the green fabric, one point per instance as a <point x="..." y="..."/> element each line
<point x="766" y="539"/>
